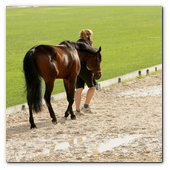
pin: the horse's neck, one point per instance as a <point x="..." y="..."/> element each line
<point x="84" y="56"/>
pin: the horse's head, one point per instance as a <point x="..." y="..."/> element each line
<point x="88" y="54"/>
<point x="93" y="64"/>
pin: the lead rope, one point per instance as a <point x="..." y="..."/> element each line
<point x="92" y="79"/>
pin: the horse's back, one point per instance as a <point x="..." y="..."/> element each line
<point x="57" y="61"/>
<point x="67" y="61"/>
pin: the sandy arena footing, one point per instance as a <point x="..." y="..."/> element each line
<point x="125" y="126"/>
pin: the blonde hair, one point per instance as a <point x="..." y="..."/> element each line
<point x="85" y="33"/>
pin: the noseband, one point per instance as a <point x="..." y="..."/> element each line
<point x="99" y="71"/>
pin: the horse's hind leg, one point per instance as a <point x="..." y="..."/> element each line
<point x="47" y="97"/>
<point x="31" y="119"/>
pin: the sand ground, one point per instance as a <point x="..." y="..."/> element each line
<point x="132" y="109"/>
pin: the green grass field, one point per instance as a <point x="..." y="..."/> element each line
<point x="130" y="37"/>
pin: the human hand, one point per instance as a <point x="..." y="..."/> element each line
<point x="90" y="41"/>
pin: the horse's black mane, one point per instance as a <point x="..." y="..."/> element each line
<point x="79" y="46"/>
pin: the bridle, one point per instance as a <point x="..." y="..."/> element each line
<point x="99" y="71"/>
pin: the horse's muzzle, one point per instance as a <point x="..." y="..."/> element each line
<point x="97" y="76"/>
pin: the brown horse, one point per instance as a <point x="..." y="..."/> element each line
<point x="52" y="62"/>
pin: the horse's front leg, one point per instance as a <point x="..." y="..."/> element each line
<point x="70" y="90"/>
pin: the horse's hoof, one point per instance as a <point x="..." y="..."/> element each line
<point x="33" y="126"/>
<point x="54" y="122"/>
<point x="73" y="117"/>
<point x="66" y="115"/>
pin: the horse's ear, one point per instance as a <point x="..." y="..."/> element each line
<point x="99" y="49"/>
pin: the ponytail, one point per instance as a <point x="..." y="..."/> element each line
<point x="85" y="33"/>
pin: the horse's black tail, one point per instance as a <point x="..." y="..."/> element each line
<point x="33" y="81"/>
